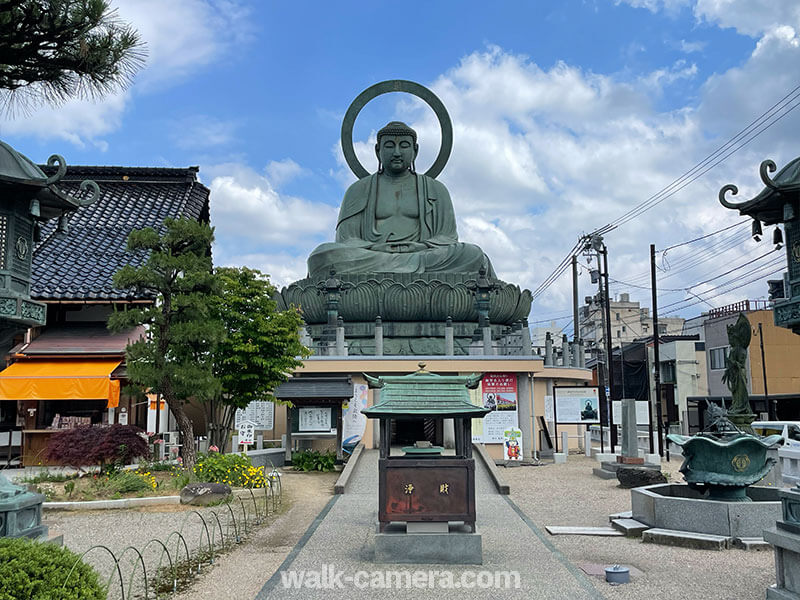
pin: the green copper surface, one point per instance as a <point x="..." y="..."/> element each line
<point x="424" y="394"/>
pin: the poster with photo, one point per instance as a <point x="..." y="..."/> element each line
<point x="499" y="394"/>
<point x="353" y="422"/>
<point x="579" y="405"/>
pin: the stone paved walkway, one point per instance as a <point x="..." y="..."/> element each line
<point x="340" y="540"/>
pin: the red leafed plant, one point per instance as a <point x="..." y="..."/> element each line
<point x="104" y="446"/>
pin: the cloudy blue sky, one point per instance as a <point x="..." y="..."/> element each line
<point x="566" y="116"/>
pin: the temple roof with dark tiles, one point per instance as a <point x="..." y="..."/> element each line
<point x="80" y="264"/>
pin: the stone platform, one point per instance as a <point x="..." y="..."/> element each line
<point x="608" y="469"/>
<point x="457" y="547"/>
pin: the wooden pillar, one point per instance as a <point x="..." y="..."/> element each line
<point x="339" y="456"/>
<point x="467" y="437"/>
<point x="459" y="431"/>
<point x="384" y="438"/>
<point x="288" y="455"/>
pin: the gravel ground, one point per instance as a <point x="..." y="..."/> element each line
<point x="568" y="494"/>
<point x="119" y="529"/>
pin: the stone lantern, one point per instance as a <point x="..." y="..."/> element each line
<point x="28" y="197"/>
<point x="778" y="203"/>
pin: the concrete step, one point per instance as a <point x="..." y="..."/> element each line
<point x="751" y="544"/>
<point x="603" y="531"/>
<point x="603" y="474"/>
<point x="627" y="514"/>
<point x="686" y="539"/>
<point x="630" y="527"/>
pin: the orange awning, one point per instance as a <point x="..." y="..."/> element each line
<point x="69" y="379"/>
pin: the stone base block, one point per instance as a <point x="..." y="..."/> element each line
<point x="615" y="466"/>
<point x="603" y="474"/>
<point x="685" y="539"/>
<point x="605" y="457"/>
<point x="751" y="544"/>
<point x="630" y="527"/>
<point x="429" y="548"/>
<point x="775" y="593"/>
<point x="653" y="459"/>
<point x="560" y="457"/>
<point x="630" y="460"/>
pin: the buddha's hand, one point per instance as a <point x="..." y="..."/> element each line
<point x="399" y="247"/>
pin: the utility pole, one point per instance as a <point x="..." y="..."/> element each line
<point x="656" y="358"/>
<point x="772" y="405"/>
<point x="609" y="351"/>
<point x="575" y="326"/>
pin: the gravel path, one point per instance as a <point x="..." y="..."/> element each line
<point x="569" y="494"/>
<point x="122" y="528"/>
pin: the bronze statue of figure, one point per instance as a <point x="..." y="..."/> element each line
<point x="735" y="365"/>
<point x="397" y="220"/>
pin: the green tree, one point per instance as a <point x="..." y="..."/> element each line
<point x="175" y="359"/>
<point x="53" y="50"/>
<point x="260" y="349"/>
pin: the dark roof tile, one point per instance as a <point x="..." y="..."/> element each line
<point x="80" y="265"/>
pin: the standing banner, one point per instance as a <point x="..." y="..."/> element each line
<point x="512" y="444"/>
<point x="353" y="422"/>
<point x="499" y="395"/>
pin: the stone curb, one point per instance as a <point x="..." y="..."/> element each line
<point x="341" y="484"/>
<point x="502" y="487"/>
<point x="121" y="503"/>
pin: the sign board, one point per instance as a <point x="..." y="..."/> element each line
<point x="549" y="411"/>
<point x="579" y="405"/>
<point x="353" y="422"/>
<point x="122" y="417"/>
<point x="642" y="412"/>
<point x="512" y="444"/>
<point x="498" y="393"/>
<point x="247" y="433"/>
<point x="314" y="418"/>
<point x="260" y="412"/>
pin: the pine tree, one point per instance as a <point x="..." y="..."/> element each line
<point x="175" y="358"/>
<point x="54" y="50"/>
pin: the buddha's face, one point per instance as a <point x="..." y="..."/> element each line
<point x="396" y="153"/>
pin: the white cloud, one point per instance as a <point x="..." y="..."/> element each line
<point x="203" y="131"/>
<point x="181" y="36"/>
<point x="283" y="171"/>
<point x="690" y="47"/>
<point x="250" y="215"/>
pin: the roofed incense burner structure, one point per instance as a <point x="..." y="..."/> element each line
<point x="423" y="489"/>
<point x="397" y="254"/>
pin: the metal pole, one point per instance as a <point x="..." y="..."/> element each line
<point x="575" y="329"/>
<point x="656" y="363"/>
<point x="610" y="380"/>
<point x="772" y="405"/>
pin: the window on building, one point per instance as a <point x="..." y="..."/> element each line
<point x="617" y="316"/>
<point x="662" y="329"/>
<point x="645" y="327"/>
<point x="619" y="333"/>
<point x="668" y="372"/>
<point x="623" y="329"/>
<point x="717" y="357"/>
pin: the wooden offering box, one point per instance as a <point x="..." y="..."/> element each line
<point x="420" y="486"/>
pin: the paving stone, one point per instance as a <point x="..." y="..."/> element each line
<point x="751" y="544"/>
<point x="685" y="539"/>
<point x="630" y="527"/>
<point x="604" y="531"/>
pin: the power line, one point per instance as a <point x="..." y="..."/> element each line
<point x="702" y="237"/>
<point x="755" y="128"/>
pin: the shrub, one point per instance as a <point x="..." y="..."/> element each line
<point x="125" y="482"/>
<point x="37" y="571"/>
<point x="233" y="469"/>
<point x="313" y="460"/>
<point x="105" y="446"/>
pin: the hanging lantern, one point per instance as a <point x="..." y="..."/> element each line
<point x="777" y="238"/>
<point x="757" y="233"/>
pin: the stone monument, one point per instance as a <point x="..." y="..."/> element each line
<point x="398" y="255"/>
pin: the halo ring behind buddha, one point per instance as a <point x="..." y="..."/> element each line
<point x="385" y="87"/>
